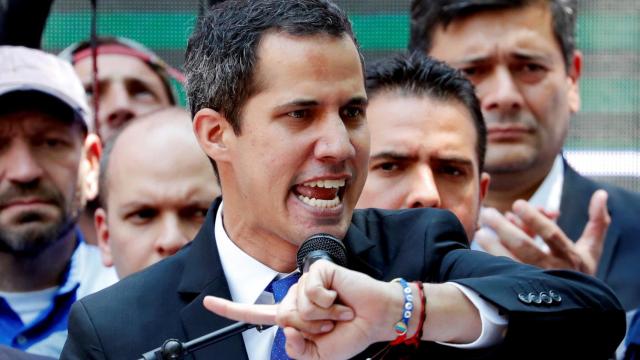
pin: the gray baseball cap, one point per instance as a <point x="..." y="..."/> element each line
<point x="27" y="70"/>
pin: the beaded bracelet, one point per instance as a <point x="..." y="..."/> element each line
<point x="402" y="326"/>
<point x="417" y="337"/>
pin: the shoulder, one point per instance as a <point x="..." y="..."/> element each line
<point x="162" y="277"/>
<point x="405" y="219"/>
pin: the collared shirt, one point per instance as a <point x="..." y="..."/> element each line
<point x="549" y="193"/>
<point x="247" y="279"/>
<point x="46" y="334"/>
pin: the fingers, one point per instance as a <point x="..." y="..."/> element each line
<point x="514" y="239"/>
<point x="591" y="242"/>
<point x="297" y="346"/>
<point x="249" y="313"/>
<point x="317" y="284"/>
<point x="489" y="241"/>
<point x="559" y="244"/>
<point x="289" y="315"/>
<point x="599" y="221"/>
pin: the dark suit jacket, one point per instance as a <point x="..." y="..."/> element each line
<point x="620" y="262"/>
<point x="165" y="301"/>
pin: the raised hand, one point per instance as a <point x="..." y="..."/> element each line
<point x="513" y="235"/>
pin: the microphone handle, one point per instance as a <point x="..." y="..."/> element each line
<point x="175" y="349"/>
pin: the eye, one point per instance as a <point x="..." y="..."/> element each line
<point x="453" y="171"/>
<point x="387" y="167"/>
<point x="474" y="71"/>
<point x="530" y="72"/>
<point x="195" y="212"/>
<point x="298" y="114"/>
<point x="88" y="89"/>
<point x="141" y="91"/>
<point x="52" y="143"/>
<point x="351" y="112"/>
<point x="142" y="215"/>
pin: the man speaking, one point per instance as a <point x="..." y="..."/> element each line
<point x="277" y="91"/>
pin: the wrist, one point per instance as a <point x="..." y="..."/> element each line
<point x="393" y="309"/>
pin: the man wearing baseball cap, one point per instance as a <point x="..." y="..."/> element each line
<point x="48" y="168"/>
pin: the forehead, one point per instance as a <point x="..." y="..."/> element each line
<point x="525" y="28"/>
<point x="404" y="122"/>
<point x="116" y="66"/>
<point x="298" y="64"/>
<point x="34" y="122"/>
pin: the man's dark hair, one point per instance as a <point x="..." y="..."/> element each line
<point x="427" y="15"/>
<point x="415" y="74"/>
<point x="222" y="51"/>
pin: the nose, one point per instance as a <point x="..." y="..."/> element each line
<point x="334" y="141"/>
<point x="20" y="165"/>
<point x="424" y="191"/>
<point x="116" y="105"/>
<point x="500" y="93"/>
<point x="172" y="237"/>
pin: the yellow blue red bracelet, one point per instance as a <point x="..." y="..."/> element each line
<point x="402" y="326"/>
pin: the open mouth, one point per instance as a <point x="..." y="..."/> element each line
<point x="324" y="194"/>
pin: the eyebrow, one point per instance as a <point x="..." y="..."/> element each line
<point x="359" y="100"/>
<point x="391" y="155"/>
<point x="297" y="103"/>
<point x="519" y="55"/>
<point x="403" y="156"/>
<point x="305" y="103"/>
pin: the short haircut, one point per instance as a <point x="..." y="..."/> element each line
<point x="222" y="54"/>
<point x="415" y="74"/>
<point x="427" y="15"/>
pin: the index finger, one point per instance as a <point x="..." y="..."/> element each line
<point x="548" y="230"/>
<point x="249" y="313"/>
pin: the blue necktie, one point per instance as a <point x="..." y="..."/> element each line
<point x="279" y="289"/>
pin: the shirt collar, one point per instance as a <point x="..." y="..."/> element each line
<point x="76" y="266"/>
<point x="246" y="276"/>
<point x="549" y="192"/>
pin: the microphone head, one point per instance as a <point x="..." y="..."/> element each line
<point x="323" y="243"/>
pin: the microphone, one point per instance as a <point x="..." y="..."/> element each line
<point x="314" y="248"/>
<point x="321" y="247"/>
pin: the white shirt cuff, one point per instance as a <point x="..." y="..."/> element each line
<point x="494" y="325"/>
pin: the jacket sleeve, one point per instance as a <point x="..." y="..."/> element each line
<point x="574" y="314"/>
<point x="83" y="341"/>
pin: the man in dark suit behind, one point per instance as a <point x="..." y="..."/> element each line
<point x="521" y="56"/>
<point x="276" y="89"/>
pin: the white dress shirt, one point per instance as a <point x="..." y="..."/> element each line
<point x="247" y="279"/>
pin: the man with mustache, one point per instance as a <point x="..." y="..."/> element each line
<point x="522" y="59"/>
<point x="48" y="168"/>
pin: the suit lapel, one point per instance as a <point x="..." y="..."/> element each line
<point x="203" y="275"/>
<point x="574" y="215"/>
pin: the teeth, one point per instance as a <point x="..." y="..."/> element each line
<point x="335" y="184"/>
<point x="320" y="203"/>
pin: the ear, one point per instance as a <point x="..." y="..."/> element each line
<point x="90" y="166"/>
<point x="102" y="230"/>
<point x="485" y="180"/>
<point x="213" y="132"/>
<point x="573" y="76"/>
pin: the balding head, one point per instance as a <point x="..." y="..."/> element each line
<point x="156" y="185"/>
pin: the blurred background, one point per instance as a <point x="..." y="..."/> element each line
<point x="604" y="139"/>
